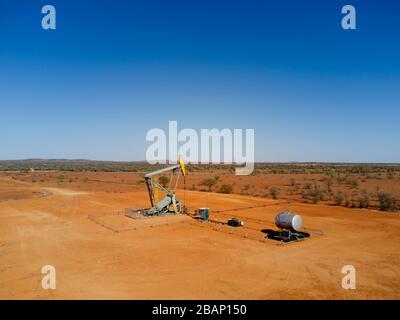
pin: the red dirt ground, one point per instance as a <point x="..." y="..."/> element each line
<point x="290" y="186"/>
<point x="175" y="257"/>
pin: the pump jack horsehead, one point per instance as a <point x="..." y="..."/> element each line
<point x="169" y="204"/>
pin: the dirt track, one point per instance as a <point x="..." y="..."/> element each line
<point x="180" y="259"/>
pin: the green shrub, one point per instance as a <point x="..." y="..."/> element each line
<point x="307" y="186"/>
<point x="353" y="183"/>
<point x="226" y="188"/>
<point x="208" y="182"/>
<point x="274" y="192"/>
<point x="386" y="201"/>
<point x="316" y="194"/>
<point x="163" y="180"/>
<point x="339" y="198"/>
<point x="329" y="184"/>
<point x="365" y="199"/>
<point x="246" y="187"/>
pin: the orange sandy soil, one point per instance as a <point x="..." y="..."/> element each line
<point x="257" y="185"/>
<point x="176" y="257"/>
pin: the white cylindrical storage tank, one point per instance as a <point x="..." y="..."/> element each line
<point x="287" y="220"/>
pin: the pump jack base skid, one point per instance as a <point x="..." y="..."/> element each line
<point x="143" y="213"/>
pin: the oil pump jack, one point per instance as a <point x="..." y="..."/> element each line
<point x="169" y="203"/>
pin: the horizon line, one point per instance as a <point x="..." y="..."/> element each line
<point x="167" y="162"/>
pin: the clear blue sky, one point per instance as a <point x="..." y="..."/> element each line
<point x="112" y="70"/>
